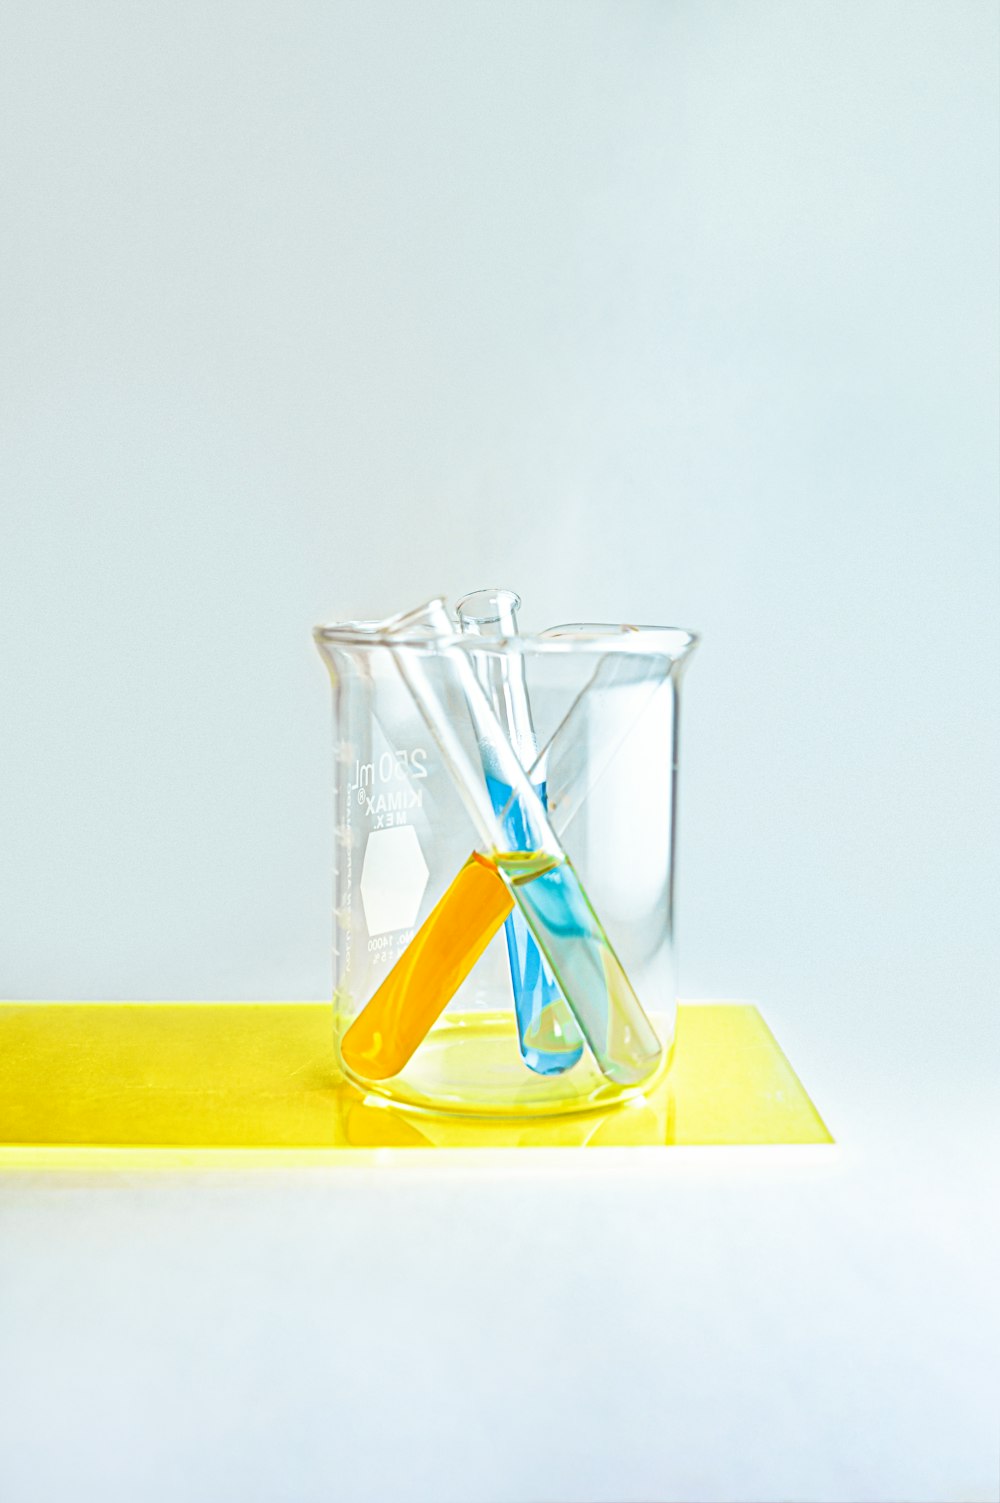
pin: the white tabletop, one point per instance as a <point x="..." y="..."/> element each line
<point x="628" y="1325"/>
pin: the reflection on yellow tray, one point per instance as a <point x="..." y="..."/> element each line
<point x="158" y="1081"/>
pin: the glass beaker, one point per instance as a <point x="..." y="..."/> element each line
<point x="429" y="867"/>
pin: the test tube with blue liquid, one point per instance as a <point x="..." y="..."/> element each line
<point x="549" y="1038"/>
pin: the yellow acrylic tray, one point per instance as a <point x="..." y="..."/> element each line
<point x="85" y="1084"/>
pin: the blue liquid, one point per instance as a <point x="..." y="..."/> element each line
<point x="549" y="1038"/>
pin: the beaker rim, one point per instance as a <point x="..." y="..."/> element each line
<point x="594" y="637"/>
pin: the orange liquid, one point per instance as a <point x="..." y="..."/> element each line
<point x="427" y="975"/>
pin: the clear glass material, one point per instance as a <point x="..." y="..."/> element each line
<point x="549" y="1037"/>
<point x="504" y="870"/>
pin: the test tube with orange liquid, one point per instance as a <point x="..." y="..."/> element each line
<point x="404" y="1009"/>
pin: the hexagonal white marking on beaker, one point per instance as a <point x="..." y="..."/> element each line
<point x="393" y="879"/>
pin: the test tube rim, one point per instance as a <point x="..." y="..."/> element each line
<point x="671" y="642"/>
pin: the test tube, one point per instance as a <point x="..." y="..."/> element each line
<point x="586" y="747"/>
<point x="388" y="1029"/>
<point x="549" y="1038"/>
<point x="541" y="878"/>
<point x="401" y="1012"/>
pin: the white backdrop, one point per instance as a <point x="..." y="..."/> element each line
<point x="671" y="313"/>
<point x="679" y="313"/>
